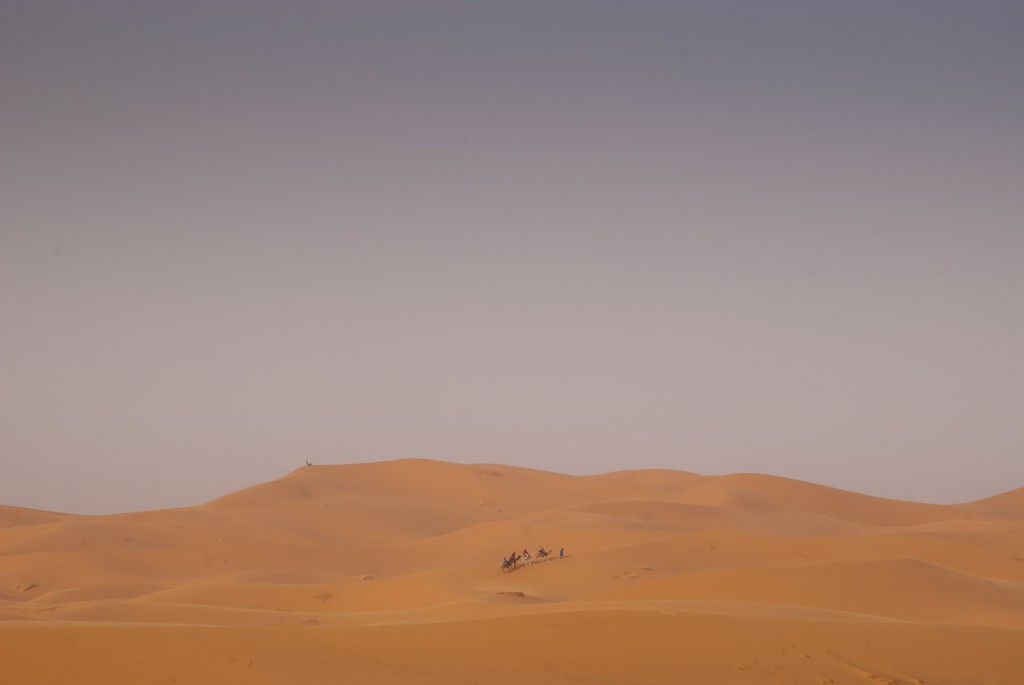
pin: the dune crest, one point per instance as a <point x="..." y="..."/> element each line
<point x="667" y="576"/>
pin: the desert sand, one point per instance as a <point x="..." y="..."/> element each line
<point x="389" y="573"/>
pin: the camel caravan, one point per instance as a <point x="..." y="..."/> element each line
<point x="516" y="560"/>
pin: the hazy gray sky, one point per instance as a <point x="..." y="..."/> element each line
<point x="715" y="236"/>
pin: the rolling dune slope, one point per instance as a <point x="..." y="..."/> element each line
<point x="391" y="572"/>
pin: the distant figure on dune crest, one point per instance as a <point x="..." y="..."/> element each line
<point x="308" y="463"/>
<point x="561" y="552"/>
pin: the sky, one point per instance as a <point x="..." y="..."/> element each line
<point x="782" y="237"/>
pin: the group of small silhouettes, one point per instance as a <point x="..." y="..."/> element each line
<point x="513" y="560"/>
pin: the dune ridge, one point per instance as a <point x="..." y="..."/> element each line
<point x="390" y="571"/>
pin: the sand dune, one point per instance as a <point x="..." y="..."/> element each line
<point x="895" y="588"/>
<point x="390" y="572"/>
<point x="1009" y="504"/>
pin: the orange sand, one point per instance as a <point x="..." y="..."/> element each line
<point x="389" y="572"/>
